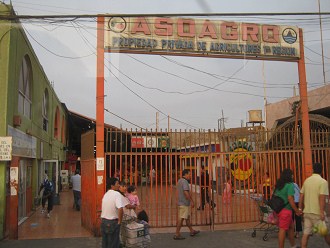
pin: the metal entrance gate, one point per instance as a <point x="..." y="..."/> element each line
<point x="153" y="161"/>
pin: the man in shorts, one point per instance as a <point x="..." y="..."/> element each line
<point x="312" y="201"/>
<point x="185" y="203"/>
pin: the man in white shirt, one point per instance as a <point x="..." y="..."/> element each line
<point x="112" y="215"/>
<point x="76" y="188"/>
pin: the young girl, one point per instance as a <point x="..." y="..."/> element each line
<point x="226" y="197"/>
<point x="133" y="197"/>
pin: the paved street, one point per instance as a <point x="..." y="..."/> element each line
<point x="223" y="239"/>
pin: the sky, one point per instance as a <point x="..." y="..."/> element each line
<point x="67" y="50"/>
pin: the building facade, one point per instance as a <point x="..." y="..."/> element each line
<point x="33" y="133"/>
<point x="318" y="104"/>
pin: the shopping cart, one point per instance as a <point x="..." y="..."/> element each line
<point x="134" y="233"/>
<point x="267" y="219"/>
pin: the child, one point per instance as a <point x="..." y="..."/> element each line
<point x="144" y="219"/>
<point x="133" y="197"/>
<point x="226" y="197"/>
<point x="266" y="187"/>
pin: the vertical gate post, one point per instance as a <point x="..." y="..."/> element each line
<point x="13" y="199"/>
<point x="304" y="109"/>
<point x="100" y="172"/>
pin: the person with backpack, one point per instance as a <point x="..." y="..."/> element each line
<point x="284" y="189"/>
<point x="47" y="196"/>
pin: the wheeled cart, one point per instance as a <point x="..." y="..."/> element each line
<point x="267" y="219"/>
<point x="134" y="233"/>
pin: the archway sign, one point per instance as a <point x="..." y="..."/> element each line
<point x="201" y="38"/>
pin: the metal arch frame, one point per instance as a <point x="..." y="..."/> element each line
<point x="312" y="118"/>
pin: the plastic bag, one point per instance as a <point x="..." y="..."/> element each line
<point x="320" y="228"/>
<point x="272" y="218"/>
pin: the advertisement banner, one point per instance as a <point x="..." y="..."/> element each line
<point x="163" y="142"/>
<point x="150" y="142"/>
<point x="137" y="142"/>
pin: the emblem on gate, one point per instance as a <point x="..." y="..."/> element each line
<point x="289" y="35"/>
<point x="117" y="24"/>
<point x="241" y="160"/>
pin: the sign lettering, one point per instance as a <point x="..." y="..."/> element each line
<point x="200" y="37"/>
<point x="5" y="148"/>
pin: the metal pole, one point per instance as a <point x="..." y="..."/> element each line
<point x="321" y="42"/>
<point x="157" y="121"/>
<point x="100" y="172"/>
<point x="304" y="108"/>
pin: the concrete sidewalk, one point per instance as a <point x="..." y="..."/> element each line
<point x="207" y="239"/>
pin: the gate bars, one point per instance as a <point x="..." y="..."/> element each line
<point x="153" y="161"/>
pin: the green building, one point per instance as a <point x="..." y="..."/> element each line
<point x="33" y="126"/>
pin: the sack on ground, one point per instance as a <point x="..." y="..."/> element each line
<point x="276" y="203"/>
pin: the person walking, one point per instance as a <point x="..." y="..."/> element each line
<point x="204" y="185"/>
<point x="185" y="203"/>
<point x="312" y="200"/>
<point x="41" y="191"/>
<point x="226" y="195"/>
<point x="284" y="189"/>
<point x="76" y="188"/>
<point x="297" y="218"/>
<point x="47" y="196"/>
<point x="111" y="215"/>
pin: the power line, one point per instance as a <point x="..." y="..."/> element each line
<point x="124" y="119"/>
<point x="177" y="92"/>
<point x="147" y="101"/>
<point x="316" y="52"/>
<point x="73" y="21"/>
<point x="52" y="6"/>
<point x="17" y="17"/>
<point x="58" y="55"/>
<point x="139" y="95"/>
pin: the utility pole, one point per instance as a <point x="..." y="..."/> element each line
<point x="265" y="94"/>
<point x="322" y="42"/>
<point x="157" y="121"/>
<point x="221" y="122"/>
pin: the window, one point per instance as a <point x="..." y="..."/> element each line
<point x="45" y="103"/>
<point x="24" y="88"/>
<point x="57" y="123"/>
<point x="63" y="129"/>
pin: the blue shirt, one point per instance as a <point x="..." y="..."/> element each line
<point x="296" y="192"/>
